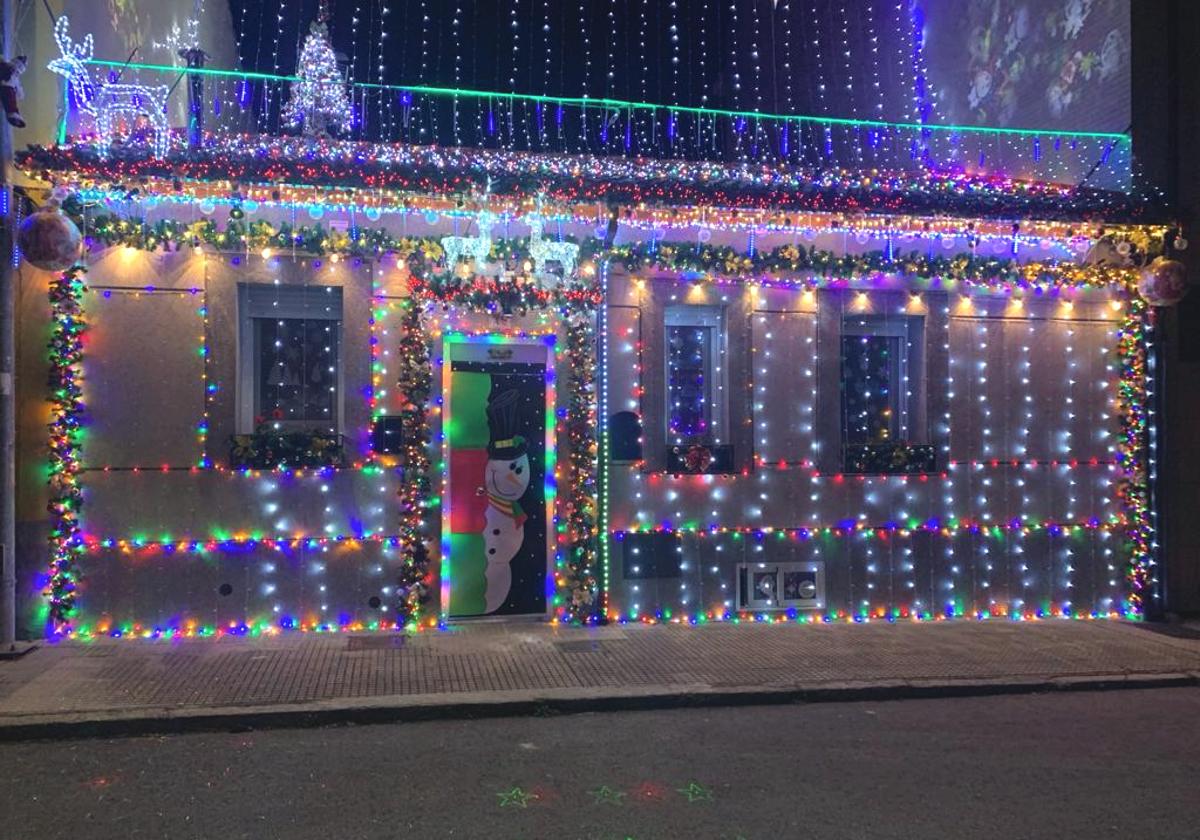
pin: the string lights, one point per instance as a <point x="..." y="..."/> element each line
<point x="941" y="488"/>
<point x="66" y="432"/>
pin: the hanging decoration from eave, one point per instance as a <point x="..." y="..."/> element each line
<point x="260" y="159"/>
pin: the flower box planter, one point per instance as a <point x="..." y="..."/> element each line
<point x="268" y="448"/>
<point x="890" y="458"/>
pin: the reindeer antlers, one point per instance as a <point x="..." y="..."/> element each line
<point x="68" y="47"/>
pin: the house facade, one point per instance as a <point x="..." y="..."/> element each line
<point x="823" y="421"/>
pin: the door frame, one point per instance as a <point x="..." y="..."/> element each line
<point x="549" y="344"/>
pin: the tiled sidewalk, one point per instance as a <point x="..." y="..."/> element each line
<point x="505" y="663"/>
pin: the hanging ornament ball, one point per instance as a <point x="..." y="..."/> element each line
<point x="1180" y="244"/>
<point x="431" y="217"/>
<point x="315" y="211"/>
<point x="208" y="207"/>
<point x="49" y="240"/>
<point x="704" y="234"/>
<point x="1124" y="247"/>
<point x="250" y="205"/>
<point x="373" y="213"/>
<point x="236" y="212"/>
<point x="1163" y="283"/>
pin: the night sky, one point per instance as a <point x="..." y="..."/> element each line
<point x="849" y="58"/>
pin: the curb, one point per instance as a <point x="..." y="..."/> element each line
<point x="482" y="705"/>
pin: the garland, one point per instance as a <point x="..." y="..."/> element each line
<point x="1133" y="488"/>
<point x="574" y="300"/>
<point x="415" y="382"/>
<point x="66" y="420"/>
<point x="577" y="573"/>
<point x="564" y="177"/>
<point x="785" y="263"/>
<point x="821" y="267"/>
<point x="575" y="577"/>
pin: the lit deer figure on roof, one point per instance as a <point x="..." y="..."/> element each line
<point x="478" y="248"/>
<point x="543" y="251"/>
<point x="108" y="102"/>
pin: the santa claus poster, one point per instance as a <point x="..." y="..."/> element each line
<point x="497" y="500"/>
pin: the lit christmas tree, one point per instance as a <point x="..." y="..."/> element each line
<point x="319" y="101"/>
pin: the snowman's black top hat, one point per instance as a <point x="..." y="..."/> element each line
<point x="502" y="423"/>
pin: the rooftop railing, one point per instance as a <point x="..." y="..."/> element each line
<point x="236" y="101"/>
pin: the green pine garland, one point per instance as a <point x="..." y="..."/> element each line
<point x="66" y="420"/>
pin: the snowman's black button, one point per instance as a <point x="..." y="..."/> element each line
<point x="491" y="551"/>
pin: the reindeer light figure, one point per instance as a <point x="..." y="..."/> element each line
<point x="477" y="248"/>
<point x="108" y="102"/>
<point x="543" y="251"/>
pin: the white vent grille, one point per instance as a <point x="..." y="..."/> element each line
<point x="781" y="586"/>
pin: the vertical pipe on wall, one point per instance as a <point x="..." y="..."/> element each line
<point x="8" y="572"/>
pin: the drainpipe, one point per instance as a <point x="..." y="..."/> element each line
<point x="8" y="572"/>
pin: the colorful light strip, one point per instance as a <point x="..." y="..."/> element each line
<point x="600" y="103"/>
<point x="68" y="326"/>
<point x="263" y="162"/>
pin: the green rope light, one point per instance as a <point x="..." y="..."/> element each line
<point x="621" y="104"/>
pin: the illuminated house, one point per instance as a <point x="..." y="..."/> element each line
<point x="310" y="384"/>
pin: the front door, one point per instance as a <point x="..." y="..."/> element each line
<point x="495" y="548"/>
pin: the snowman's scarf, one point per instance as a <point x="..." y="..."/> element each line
<point x="509" y="509"/>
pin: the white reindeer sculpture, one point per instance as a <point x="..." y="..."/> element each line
<point x="108" y="101"/>
<point x="477" y="248"/>
<point x="543" y="251"/>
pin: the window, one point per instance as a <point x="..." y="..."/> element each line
<point x="289" y="349"/>
<point x="694" y="346"/>
<point x="880" y="379"/>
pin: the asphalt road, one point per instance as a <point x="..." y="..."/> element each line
<point x="1117" y="764"/>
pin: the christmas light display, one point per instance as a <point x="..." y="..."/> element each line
<point x="109" y="103"/>
<point x="318" y="99"/>
<point x="569" y="177"/>
<point x="66" y="432"/>
<point x="727" y="302"/>
<point x="414" y="381"/>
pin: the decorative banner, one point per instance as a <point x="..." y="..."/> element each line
<point x="497" y="535"/>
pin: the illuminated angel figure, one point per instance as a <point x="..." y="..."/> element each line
<point x="108" y="102"/>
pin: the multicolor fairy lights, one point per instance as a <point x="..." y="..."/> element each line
<point x="471" y="294"/>
<point x="66" y="430"/>
<point x="431" y="170"/>
<point x="414" y="381"/>
<point x="580" y="565"/>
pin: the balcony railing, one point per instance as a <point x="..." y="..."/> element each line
<point x="234" y="101"/>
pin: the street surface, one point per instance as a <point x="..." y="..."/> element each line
<point x="1112" y="764"/>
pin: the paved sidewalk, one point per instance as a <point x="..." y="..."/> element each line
<point x="112" y="687"/>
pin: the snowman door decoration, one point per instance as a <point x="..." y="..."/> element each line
<point x="505" y="480"/>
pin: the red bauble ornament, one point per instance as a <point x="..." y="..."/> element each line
<point x="49" y="240"/>
<point x="1164" y="282"/>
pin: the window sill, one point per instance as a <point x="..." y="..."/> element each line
<point x="889" y="459"/>
<point x="700" y="459"/>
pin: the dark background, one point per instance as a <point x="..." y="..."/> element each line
<point x="799" y="45"/>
